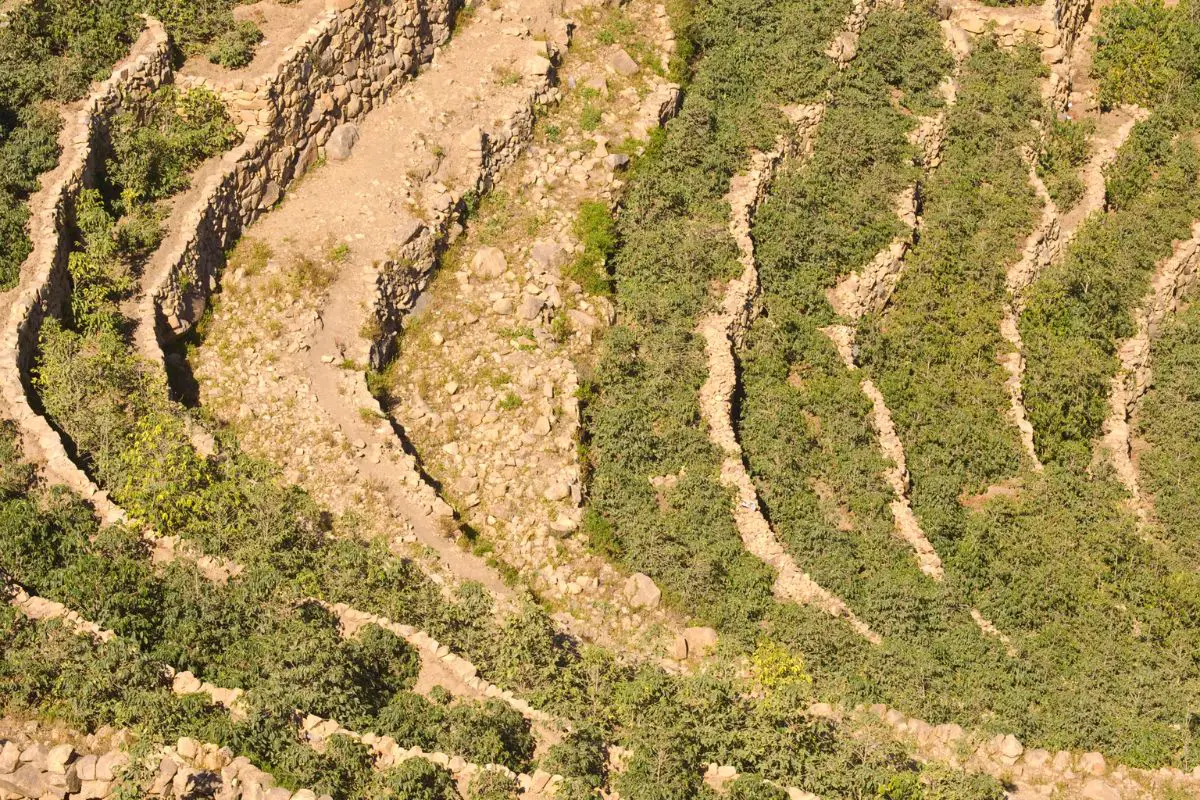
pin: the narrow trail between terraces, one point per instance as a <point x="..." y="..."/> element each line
<point x="1173" y="277"/>
<point x="360" y="236"/>
<point x="1045" y="245"/>
<point x="721" y="331"/>
<point x="315" y="730"/>
<point x="867" y="292"/>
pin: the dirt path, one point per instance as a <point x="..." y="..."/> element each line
<point x="442" y="137"/>
<point x="484" y="385"/>
<point x="1039" y="250"/>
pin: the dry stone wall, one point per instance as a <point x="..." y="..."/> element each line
<point x="387" y="751"/>
<point x="401" y="278"/>
<point x="100" y="769"/>
<point x="347" y="63"/>
<point x="44" y="283"/>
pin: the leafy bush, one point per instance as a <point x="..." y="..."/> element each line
<point x="155" y="149"/>
<point x="1170" y="466"/>
<point x="1064" y="149"/>
<point x="933" y="353"/>
<point x="753" y="787"/>
<point x="50" y="50"/>
<point x="580" y="755"/>
<point x="1080" y="308"/>
<point x="234" y="48"/>
<point x="595" y="229"/>
<point x="417" y="779"/>
<point x="492" y="786"/>
<point x="1146" y="52"/>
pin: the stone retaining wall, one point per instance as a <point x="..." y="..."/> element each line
<point x="1070" y="16"/>
<point x="346" y="64"/>
<point x="44" y="282"/>
<point x="316" y="730"/>
<point x="190" y="769"/>
<point x="401" y="278"/>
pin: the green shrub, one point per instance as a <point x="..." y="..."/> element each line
<point x="418" y="779"/>
<point x="234" y="48"/>
<point x="1064" y="150"/>
<point x="1080" y="308"/>
<point x="14" y="244"/>
<point x="1170" y="465"/>
<point x="753" y="787"/>
<point x="596" y="231"/>
<point x="491" y="733"/>
<point x="154" y="151"/>
<point x="492" y="786"/>
<point x="581" y="755"/>
<point x="1146" y="52"/>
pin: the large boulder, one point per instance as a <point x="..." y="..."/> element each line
<point x="622" y="63"/>
<point x="700" y="641"/>
<point x="59" y="757"/>
<point x="341" y="142"/>
<point x="547" y="254"/>
<point x="10" y="757"/>
<point x="489" y="262"/>
<point x="641" y="591"/>
<point x="531" y="307"/>
<point x="28" y="781"/>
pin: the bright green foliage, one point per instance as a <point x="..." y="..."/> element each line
<point x="492" y="786"/>
<point x="643" y="418"/>
<point x="1145" y="52"/>
<point x="154" y="150"/>
<point x="1064" y="149"/>
<point x="417" y="779"/>
<point x="50" y="50"/>
<point x="595" y="229"/>
<point x="933" y="355"/>
<point x="99" y="276"/>
<point x="1080" y="308"/>
<point x="939" y="784"/>
<point x="234" y="48"/>
<point x="1170" y="466"/>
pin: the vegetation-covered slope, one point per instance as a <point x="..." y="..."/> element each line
<point x="1060" y="618"/>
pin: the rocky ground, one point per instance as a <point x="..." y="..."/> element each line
<point x="485" y="383"/>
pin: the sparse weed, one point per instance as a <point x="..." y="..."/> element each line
<point x="308" y="274"/>
<point x="338" y="253"/>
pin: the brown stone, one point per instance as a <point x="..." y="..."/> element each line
<point x="10" y="756"/>
<point x="28" y="781"/>
<point x="641" y="591"/>
<point x="700" y="640"/>
<point x="622" y="63"/>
